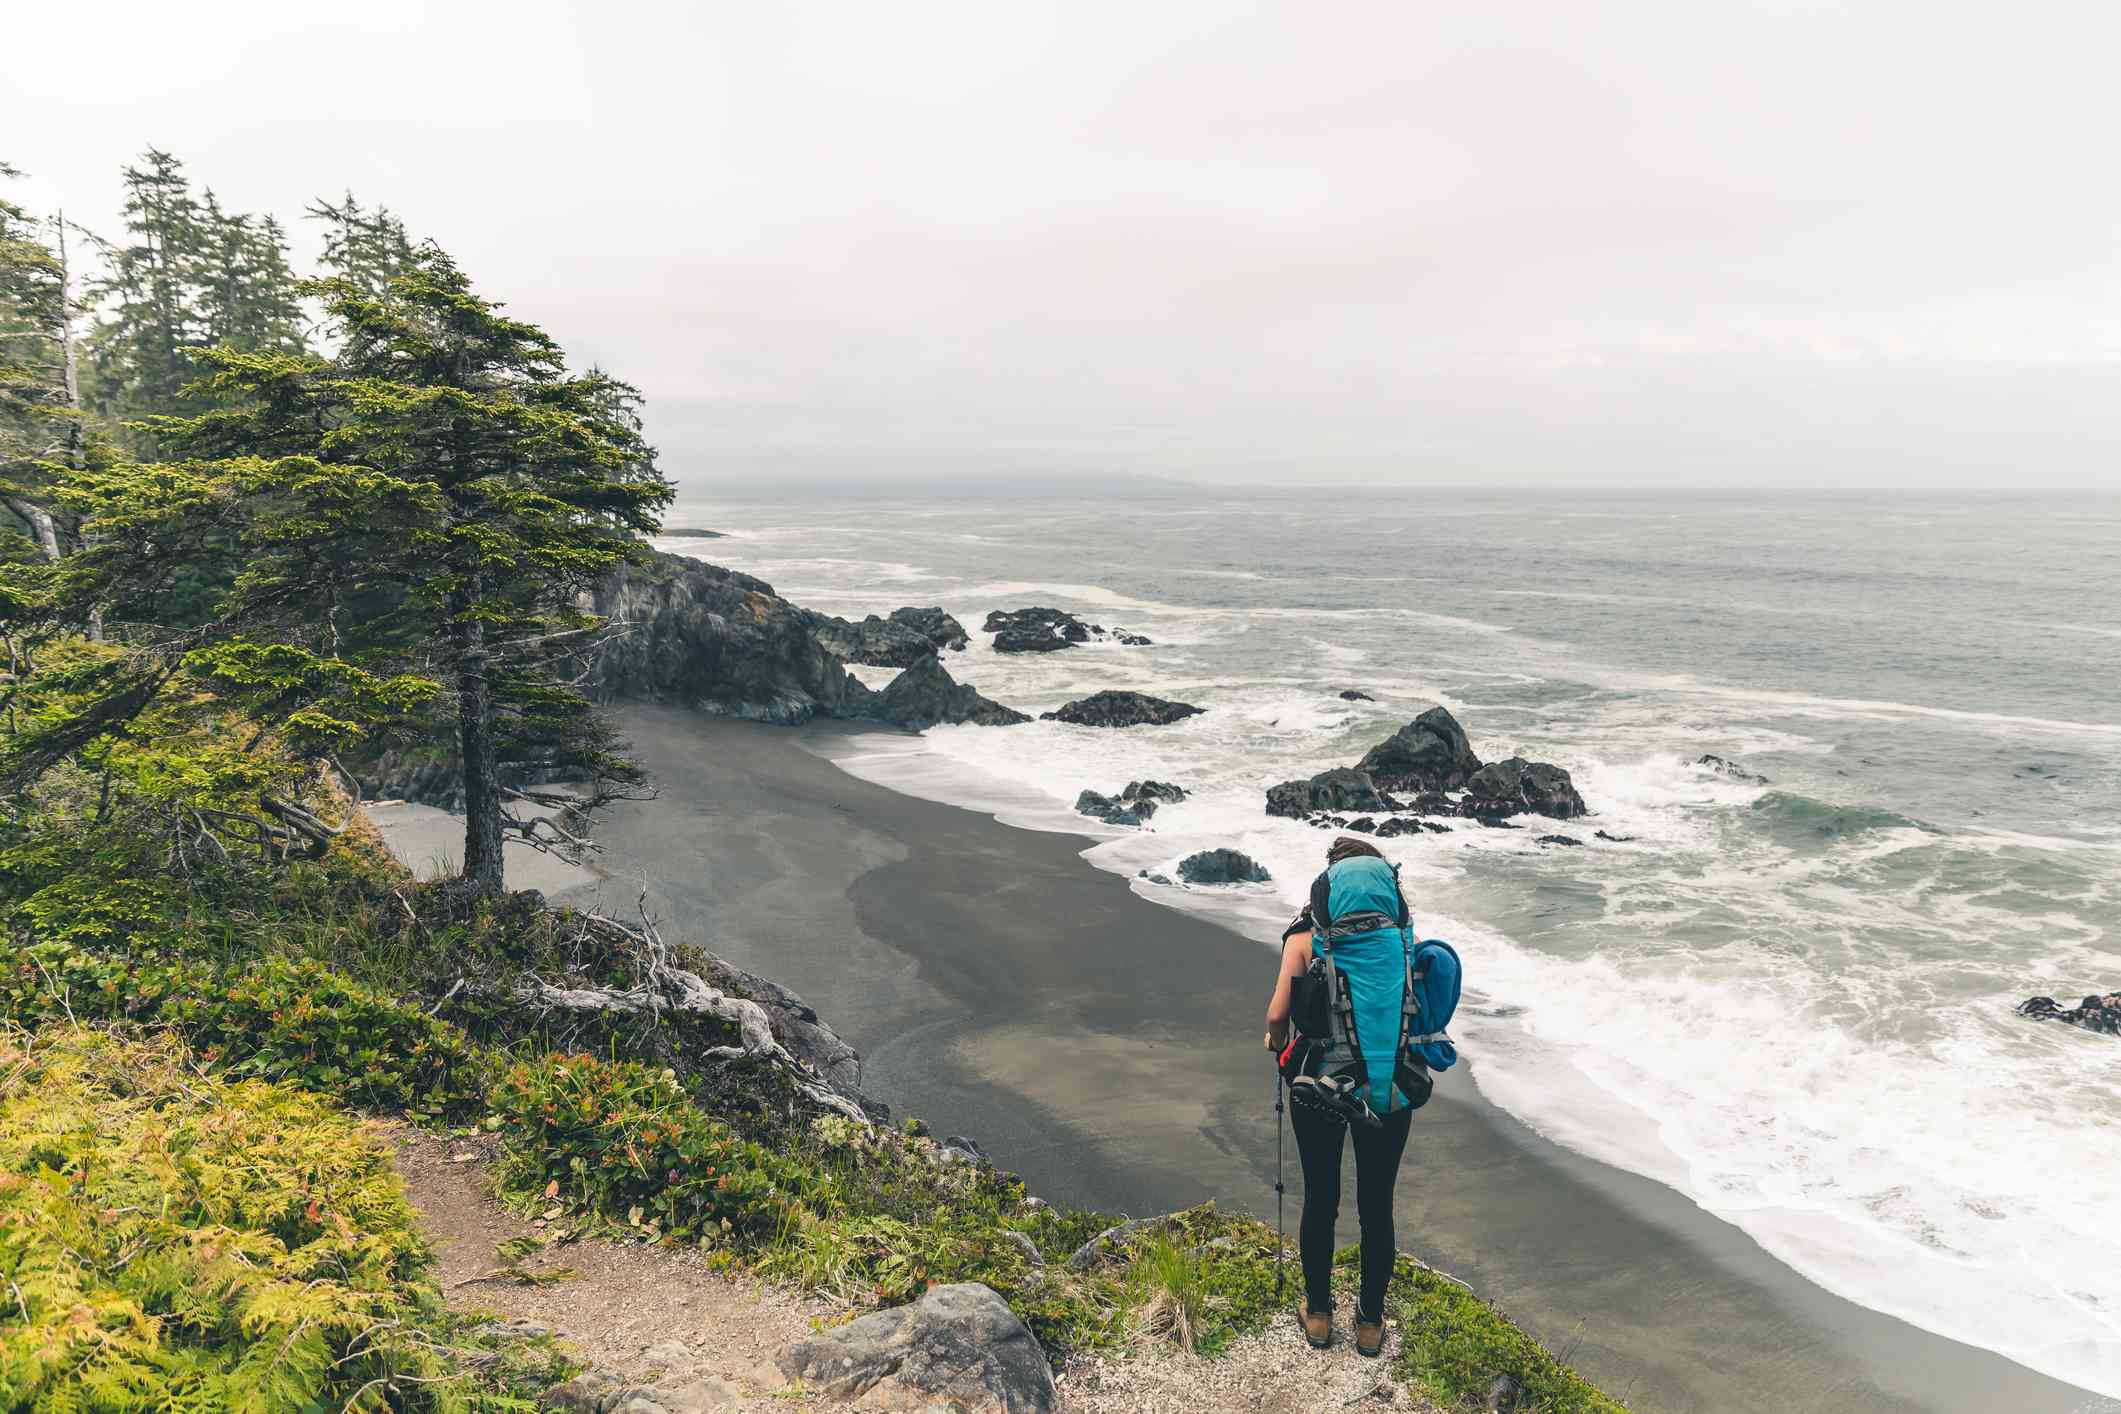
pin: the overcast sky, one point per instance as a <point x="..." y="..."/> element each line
<point x="1570" y="240"/>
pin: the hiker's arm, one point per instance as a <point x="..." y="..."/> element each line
<point x="1295" y="957"/>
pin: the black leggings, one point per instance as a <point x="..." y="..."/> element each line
<point x="1377" y="1151"/>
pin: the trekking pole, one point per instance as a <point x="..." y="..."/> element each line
<point x="1280" y="1240"/>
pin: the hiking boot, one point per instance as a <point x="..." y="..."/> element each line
<point x="1369" y="1337"/>
<point x="1318" y="1329"/>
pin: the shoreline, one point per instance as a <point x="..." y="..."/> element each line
<point x="1105" y="1047"/>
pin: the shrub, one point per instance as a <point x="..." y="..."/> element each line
<point x="175" y="1240"/>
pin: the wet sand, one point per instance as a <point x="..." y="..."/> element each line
<point x="1108" y="1049"/>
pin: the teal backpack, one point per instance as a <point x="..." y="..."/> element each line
<point x="1344" y="1007"/>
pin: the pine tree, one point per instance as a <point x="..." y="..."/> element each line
<point x="40" y="423"/>
<point x="366" y="248"/>
<point x="247" y="297"/>
<point x="433" y="502"/>
<point x="140" y="352"/>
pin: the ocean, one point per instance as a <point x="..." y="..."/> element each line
<point x="1794" y="1001"/>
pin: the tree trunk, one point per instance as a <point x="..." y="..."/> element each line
<point x="482" y="784"/>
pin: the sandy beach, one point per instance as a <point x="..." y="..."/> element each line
<point x="1108" y="1049"/>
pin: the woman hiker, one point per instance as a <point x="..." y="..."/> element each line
<point x="1357" y="882"/>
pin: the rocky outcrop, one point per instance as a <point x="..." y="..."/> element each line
<point x="796" y="1025"/>
<point x="1342" y="788"/>
<point x="1122" y="709"/>
<point x="1349" y="694"/>
<point x="1042" y="630"/>
<point x="878" y="642"/>
<point x="1420" y="762"/>
<point x="714" y="639"/>
<point x="925" y="695"/>
<point x="1730" y="769"/>
<point x="1113" y="811"/>
<point x="1222" y="866"/>
<point x="1132" y="806"/>
<point x="959" y="1347"/>
<point x="2102" y="1014"/>
<point x="1518" y="786"/>
<point x="931" y="623"/>
<point x="1430" y="753"/>
<point x="717" y="640"/>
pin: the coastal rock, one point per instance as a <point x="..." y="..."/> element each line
<point x="1161" y="791"/>
<point x="1114" y="812"/>
<point x="931" y="623"/>
<point x="1561" y="839"/>
<point x="717" y="640"/>
<point x="1042" y="630"/>
<point x="1430" y="753"/>
<point x="1037" y="640"/>
<point x="1613" y="839"/>
<point x="1222" y="866"/>
<point x="1401" y="825"/>
<point x="1034" y="630"/>
<point x="925" y="695"/>
<point x="1363" y="826"/>
<point x="1725" y="767"/>
<point x="959" y="1347"/>
<point x="1517" y="787"/>
<point x="1121" y="709"/>
<point x="796" y="1025"/>
<point x="1349" y="694"/>
<point x="1342" y="788"/>
<point x="1152" y="878"/>
<point x="880" y="643"/>
<point x="2101" y="1014"/>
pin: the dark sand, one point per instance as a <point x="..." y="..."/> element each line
<point x="1108" y="1049"/>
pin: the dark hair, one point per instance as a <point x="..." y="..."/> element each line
<point x="1349" y="847"/>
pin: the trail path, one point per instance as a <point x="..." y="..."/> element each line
<point x="705" y="1342"/>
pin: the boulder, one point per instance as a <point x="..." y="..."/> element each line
<point x="1614" y="839"/>
<point x="880" y="643"/>
<point x="2101" y="1014"/>
<point x="1114" y="812"/>
<point x="1035" y="640"/>
<point x="684" y="631"/>
<point x="1518" y="787"/>
<point x="1349" y="694"/>
<point x="1161" y="791"/>
<point x="1723" y="766"/>
<point x="925" y="694"/>
<point x="1041" y="630"/>
<point x="1034" y="630"/>
<point x="1363" y="826"/>
<point x="959" y="1347"/>
<point x="1342" y="788"/>
<point x="1401" y="825"/>
<point x="931" y="623"/>
<point x="1561" y="839"/>
<point x="1429" y="753"/>
<point x="1121" y="709"/>
<point x="1221" y="866"/>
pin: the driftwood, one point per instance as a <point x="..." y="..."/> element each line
<point x="662" y="987"/>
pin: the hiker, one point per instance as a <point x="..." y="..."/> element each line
<point x="1346" y="1022"/>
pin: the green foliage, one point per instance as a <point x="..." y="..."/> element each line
<point x="1455" y="1344"/>
<point x="172" y="1239"/>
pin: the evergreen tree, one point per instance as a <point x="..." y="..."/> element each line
<point x="430" y="505"/>
<point x="367" y="248"/>
<point x="40" y="423"/>
<point x="140" y="352"/>
<point x="247" y="297"/>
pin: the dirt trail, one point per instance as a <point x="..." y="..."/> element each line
<point x="643" y="1312"/>
<point x="627" y="1301"/>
